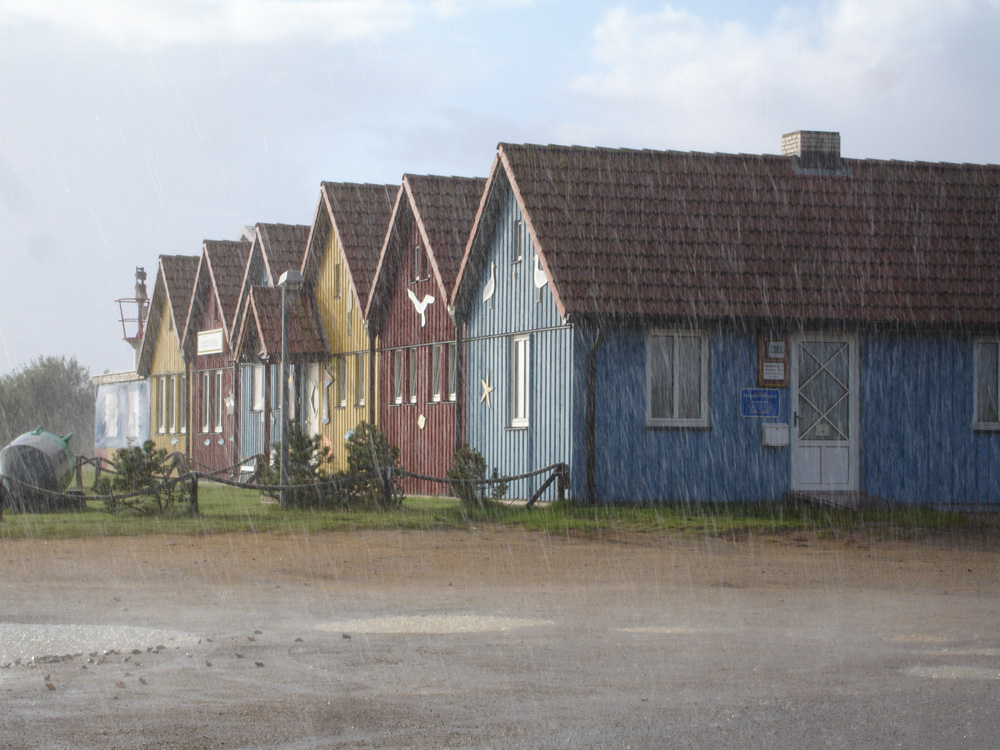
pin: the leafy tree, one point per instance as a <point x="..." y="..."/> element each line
<point x="53" y="392"/>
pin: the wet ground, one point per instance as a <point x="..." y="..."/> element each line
<point x="499" y="639"/>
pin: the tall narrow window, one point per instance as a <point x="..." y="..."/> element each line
<point x="417" y="258"/>
<point x="178" y="405"/>
<point x="206" y="401"/>
<point x="987" y="355"/>
<point x="397" y="376"/>
<point x="677" y="379"/>
<point x="161" y="405"/>
<point x="359" y="379"/>
<point x="436" y="350"/>
<point x="218" y="401"/>
<point x="111" y="414"/>
<point x="133" y="413"/>
<point x="171" y="400"/>
<point x="257" y="388"/>
<point x="336" y="280"/>
<point x="452" y="371"/>
<point x="519" y="381"/>
<point x="518" y="251"/>
<point x="413" y="375"/>
<point x="342" y="381"/>
<point x="350" y="314"/>
<point x="184" y="403"/>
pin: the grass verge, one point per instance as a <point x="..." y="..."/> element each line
<point x="225" y="509"/>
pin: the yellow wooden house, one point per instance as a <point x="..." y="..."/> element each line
<point x="161" y="359"/>
<point x="341" y="256"/>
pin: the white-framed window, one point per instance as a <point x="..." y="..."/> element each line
<point x="677" y="379"/>
<point x="177" y="407"/>
<point x="417" y="258"/>
<point x="171" y="384"/>
<point x="452" y="371"/>
<point x="133" y="413"/>
<point x="412" y="391"/>
<point x="206" y="401"/>
<point x="342" y="381"/>
<point x="436" y="350"/>
<point x="987" y="384"/>
<point x="518" y="251"/>
<point x="519" y="380"/>
<point x="257" y="388"/>
<point x="336" y="280"/>
<point x="218" y="401"/>
<point x="111" y="414"/>
<point x="350" y="314"/>
<point x="397" y="376"/>
<point x="359" y="379"/>
<point x="184" y="404"/>
<point x="161" y="405"/>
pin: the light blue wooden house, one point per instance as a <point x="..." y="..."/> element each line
<point x="710" y="327"/>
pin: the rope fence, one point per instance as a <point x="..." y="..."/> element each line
<point x="14" y="491"/>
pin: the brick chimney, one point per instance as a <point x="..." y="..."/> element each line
<point x="813" y="150"/>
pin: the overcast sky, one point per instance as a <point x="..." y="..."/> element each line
<point x="130" y="129"/>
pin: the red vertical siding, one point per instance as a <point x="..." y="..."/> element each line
<point x="428" y="450"/>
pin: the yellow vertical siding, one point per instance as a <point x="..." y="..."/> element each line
<point x="345" y="332"/>
<point x="167" y="361"/>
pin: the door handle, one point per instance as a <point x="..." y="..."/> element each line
<point x="795" y="419"/>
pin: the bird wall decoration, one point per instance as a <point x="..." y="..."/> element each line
<point x="491" y="286"/>
<point x="420" y="305"/>
<point x="540" y="279"/>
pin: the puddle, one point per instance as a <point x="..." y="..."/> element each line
<point x="440" y="624"/>
<point x="953" y="672"/>
<point x="661" y="630"/>
<point x="25" y="641"/>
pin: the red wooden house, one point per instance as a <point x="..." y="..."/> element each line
<point x="208" y="336"/>
<point x="408" y="311"/>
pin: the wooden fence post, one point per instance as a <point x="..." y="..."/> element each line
<point x="194" y="494"/>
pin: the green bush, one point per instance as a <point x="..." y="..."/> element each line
<point x="140" y="468"/>
<point x="310" y="462"/>
<point x="468" y="474"/>
<point x="368" y="452"/>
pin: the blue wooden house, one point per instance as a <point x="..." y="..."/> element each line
<point x="711" y="327"/>
<point x="275" y="248"/>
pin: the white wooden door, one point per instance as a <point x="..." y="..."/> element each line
<point x="312" y="400"/>
<point x="825" y="425"/>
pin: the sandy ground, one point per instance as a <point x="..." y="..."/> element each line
<point x="498" y="638"/>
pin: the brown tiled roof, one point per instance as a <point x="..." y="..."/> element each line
<point x="360" y="214"/>
<point x="653" y="233"/>
<point x="172" y="289"/>
<point x="178" y="274"/>
<point x="443" y="209"/>
<point x="260" y="329"/>
<point x="282" y="246"/>
<point x="227" y="261"/>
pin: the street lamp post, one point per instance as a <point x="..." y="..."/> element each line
<point x="290" y="281"/>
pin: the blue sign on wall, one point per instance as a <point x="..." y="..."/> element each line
<point x="759" y="402"/>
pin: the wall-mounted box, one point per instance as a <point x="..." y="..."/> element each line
<point x="774" y="434"/>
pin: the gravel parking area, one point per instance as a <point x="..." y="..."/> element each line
<point x="498" y="638"/>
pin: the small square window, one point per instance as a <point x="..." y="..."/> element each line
<point x="987" y="384"/>
<point x="677" y="379"/>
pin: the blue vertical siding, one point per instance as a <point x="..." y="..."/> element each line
<point x="251" y="422"/>
<point x="517" y="309"/>
<point x="725" y="462"/>
<point x="918" y="446"/>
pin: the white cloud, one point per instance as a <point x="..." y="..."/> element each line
<point x="846" y="64"/>
<point x="156" y="23"/>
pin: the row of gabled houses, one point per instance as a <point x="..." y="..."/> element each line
<point x="673" y="326"/>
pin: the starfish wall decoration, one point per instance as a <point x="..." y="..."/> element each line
<point x="487" y="390"/>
